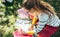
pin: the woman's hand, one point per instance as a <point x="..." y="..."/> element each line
<point x="31" y="28"/>
<point x="23" y="32"/>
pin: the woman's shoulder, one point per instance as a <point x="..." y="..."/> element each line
<point x="22" y="13"/>
<point x="21" y="10"/>
<point x="43" y="17"/>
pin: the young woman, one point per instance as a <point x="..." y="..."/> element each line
<point x="48" y="22"/>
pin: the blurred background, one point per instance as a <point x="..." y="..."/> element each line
<point x="8" y="15"/>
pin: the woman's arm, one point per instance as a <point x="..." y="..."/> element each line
<point x="43" y="18"/>
<point x="54" y="21"/>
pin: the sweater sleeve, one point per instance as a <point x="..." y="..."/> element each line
<point x="54" y="21"/>
<point x="43" y="18"/>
